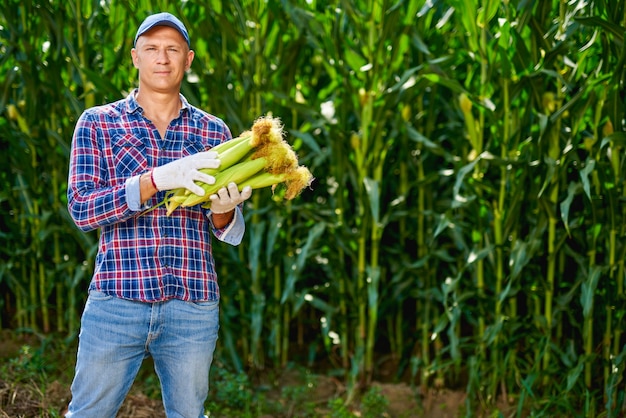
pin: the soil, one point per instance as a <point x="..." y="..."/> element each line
<point x="26" y="398"/>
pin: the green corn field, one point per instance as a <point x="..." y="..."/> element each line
<point x="467" y="222"/>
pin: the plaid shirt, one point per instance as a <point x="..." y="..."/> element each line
<point x="149" y="256"/>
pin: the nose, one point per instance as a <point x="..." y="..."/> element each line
<point x="162" y="56"/>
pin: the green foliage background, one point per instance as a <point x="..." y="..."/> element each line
<point x="467" y="222"/>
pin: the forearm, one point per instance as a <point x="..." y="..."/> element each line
<point x="231" y="232"/>
<point x="220" y="220"/>
<point x="147" y="189"/>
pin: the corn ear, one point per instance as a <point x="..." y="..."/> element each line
<point x="233" y="155"/>
<point x="262" y="180"/>
<point x="227" y="156"/>
<point x="295" y="180"/>
<point x="226" y="145"/>
<point x="236" y="174"/>
<point x="257" y="158"/>
<point x="264" y="132"/>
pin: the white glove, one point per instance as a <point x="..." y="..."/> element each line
<point x="226" y="199"/>
<point x="184" y="171"/>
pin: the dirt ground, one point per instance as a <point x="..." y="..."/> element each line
<point x="26" y="399"/>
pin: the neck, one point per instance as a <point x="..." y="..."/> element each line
<point x="159" y="106"/>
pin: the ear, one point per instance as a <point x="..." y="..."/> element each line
<point x="190" y="55"/>
<point x="133" y="54"/>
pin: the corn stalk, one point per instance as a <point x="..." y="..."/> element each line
<point x="531" y="173"/>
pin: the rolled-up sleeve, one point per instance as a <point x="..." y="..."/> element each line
<point x="233" y="232"/>
<point x="133" y="194"/>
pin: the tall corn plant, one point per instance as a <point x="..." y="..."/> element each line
<point x="600" y="184"/>
<point x="491" y="181"/>
<point x="466" y="218"/>
<point x="40" y="265"/>
<point x="365" y="56"/>
<point x="527" y="109"/>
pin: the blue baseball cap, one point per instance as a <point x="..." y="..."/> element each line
<point x="162" y="19"/>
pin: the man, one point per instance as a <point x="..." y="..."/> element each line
<point x="154" y="291"/>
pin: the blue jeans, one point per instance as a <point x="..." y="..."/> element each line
<point x="115" y="337"/>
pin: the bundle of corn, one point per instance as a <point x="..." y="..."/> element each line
<point x="257" y="158"/>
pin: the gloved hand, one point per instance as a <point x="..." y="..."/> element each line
<point x="227" y="198"/>
<point x="184" y="171"/>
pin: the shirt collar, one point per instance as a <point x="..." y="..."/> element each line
<point x="132" y="106"/>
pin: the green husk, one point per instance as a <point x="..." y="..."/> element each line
<point x="236" y="174"/>
<point x="259" y="158"/>
<point x="295" y="180"/>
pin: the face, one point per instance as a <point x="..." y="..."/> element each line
<point x="162" y="56"/>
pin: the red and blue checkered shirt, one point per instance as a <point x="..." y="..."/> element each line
<point x="144" y="255"/>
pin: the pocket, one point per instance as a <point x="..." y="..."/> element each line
<point x="130" y="155"/>
<point x="193" y="147"/>
<point x="99" y="296"/>
<point x="205" y="305"/>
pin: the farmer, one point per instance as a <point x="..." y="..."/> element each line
<point x="154" y="291"/>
